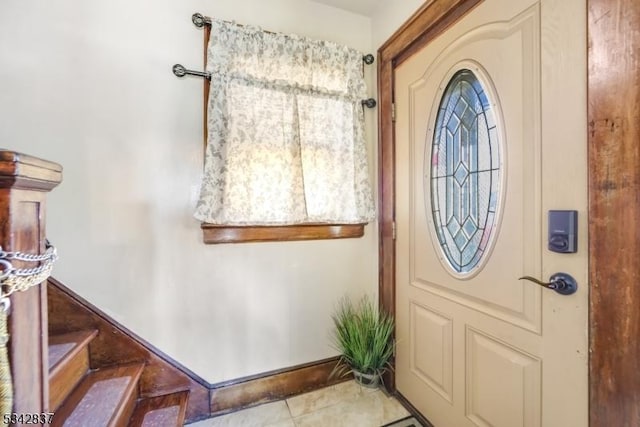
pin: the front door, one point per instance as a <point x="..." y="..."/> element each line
<point x="491" y="136"/>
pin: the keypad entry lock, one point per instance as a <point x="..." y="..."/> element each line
<point x="563" y="231"/>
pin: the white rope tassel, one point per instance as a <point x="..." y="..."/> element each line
<point x="6" y="385"/>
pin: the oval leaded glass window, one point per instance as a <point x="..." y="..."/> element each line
<point x="465" y="172"/>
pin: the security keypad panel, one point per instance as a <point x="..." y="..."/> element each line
<point x="563" y="231"/>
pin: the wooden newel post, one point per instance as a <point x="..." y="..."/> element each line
<point x="24" y="184"/>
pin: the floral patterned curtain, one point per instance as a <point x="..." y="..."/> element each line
<point x="285" y="131"/>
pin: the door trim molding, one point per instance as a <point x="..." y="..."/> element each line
<point x="614" y="228"/>
<point x="423" y="26"/>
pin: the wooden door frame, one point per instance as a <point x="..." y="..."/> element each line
<point x="614" y="191"/>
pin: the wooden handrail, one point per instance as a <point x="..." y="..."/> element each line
<point x="24" y="182"/>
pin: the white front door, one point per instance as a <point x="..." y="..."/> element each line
<point x="491" y="136"/>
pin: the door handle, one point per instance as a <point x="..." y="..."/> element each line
<point x="562" y="283"/>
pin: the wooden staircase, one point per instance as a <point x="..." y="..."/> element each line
<point x="66" y="356"/>
<point x="80" y="396"/>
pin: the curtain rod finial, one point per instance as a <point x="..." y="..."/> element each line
<point x="369" y="103"/>
<point x="179" y="70"/>
<point x="198" y="20"/>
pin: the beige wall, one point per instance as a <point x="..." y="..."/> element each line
<point x="388" y="16"/>
<point x="89" y="85"/>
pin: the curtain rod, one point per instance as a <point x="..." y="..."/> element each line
<point x="200" y="21"/>
<point x="181" y="71"/>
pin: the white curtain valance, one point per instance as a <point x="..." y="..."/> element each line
<point x="285" y="131"/>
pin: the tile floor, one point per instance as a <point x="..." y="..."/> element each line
<point x="345" y="404"/>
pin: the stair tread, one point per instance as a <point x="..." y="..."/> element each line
<point x="100" y="397"/>
<point x="160" y="411"/>
<point x="64" y="346"/>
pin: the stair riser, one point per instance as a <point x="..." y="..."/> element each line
<point x="125" y="412"/>
<point x="66" y="379"/>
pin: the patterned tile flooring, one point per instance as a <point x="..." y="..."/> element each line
<point x="341" y="405"/>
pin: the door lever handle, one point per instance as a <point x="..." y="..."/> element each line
<point x="562" y="283"/>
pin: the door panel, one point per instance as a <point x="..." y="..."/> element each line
<point x="431" y="354"/>
<point x="517" y="246"/>
<point x="484" y="348"/>
<point x="517" y="401"/>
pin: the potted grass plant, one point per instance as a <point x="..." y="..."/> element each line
<point x="364" y="337"/>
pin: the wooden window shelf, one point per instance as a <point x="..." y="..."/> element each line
<point x="213" y="234"/>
